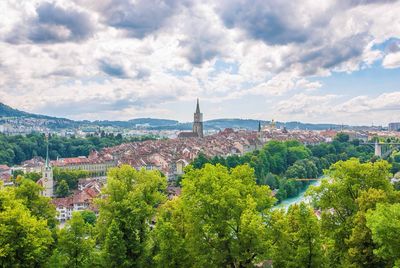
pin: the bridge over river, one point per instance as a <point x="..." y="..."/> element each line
<point x="383" y="149"/>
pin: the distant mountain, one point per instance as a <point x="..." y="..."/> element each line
<point x="159" y="124"/>
<point x="153" y="122"/>
<point x="138" y="123"/>
<point x="7" y="111"/>
<point x="249" y="124"/>
<point x="252" y="124"/>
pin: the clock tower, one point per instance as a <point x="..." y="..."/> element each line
<point x="47" y="173"/>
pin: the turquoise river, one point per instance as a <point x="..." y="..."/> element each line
<point x="294" y="200"/>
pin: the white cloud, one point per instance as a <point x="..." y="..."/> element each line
<point x="179" y="50"/>
<point x="361" y="110"/>
<point x="307" y="105"/>
<point x="391" y="60"/>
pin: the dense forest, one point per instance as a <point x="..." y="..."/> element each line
<point x="277" y="164"/>
<point x="222" y="218"/>
<point x="16" y="149"/>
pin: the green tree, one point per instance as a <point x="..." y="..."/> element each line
<point x="70" y="176"/>
<point x="131" y="201"/>
<point x="34" y="176"/>
<point x="39" y="206"/>
<point x="296" y="238"/>
<point x="342" y="137"/>
<point x="223" y="217"/>
<point x="296" y="171"/>
<point x="360" y="242"/>
<point x="62" y="189"/>
<point x="89" y="217"/>
<point x="384" y="223"/>
<point x="24" y="238"/>
<point x="337" y="198"/>
<point x="17" y="173"/>
<point x="200" y="160"/>
<point x="114" y="247"/>
<point x="297" y="153"/>
<point x="169" y="243"/>
<point x="75" y="243"/>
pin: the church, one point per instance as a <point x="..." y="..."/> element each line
<point x="47" y="181"/>
<point x="197" y="131"/>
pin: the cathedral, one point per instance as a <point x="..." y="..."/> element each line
<point x="197" y="131"/>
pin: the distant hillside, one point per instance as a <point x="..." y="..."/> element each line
<point x="138" y="123"/>
<point x="252" y="124"/>
<point x="249" y="124"/>
<point x="156" y="123"/>
<point x="7" y="111"/>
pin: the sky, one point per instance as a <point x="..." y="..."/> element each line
<point x="331" y="61"/>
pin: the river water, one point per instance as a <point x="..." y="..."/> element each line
<point x="285" y="204"/>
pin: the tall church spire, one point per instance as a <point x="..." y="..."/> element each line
<point x="197" y="106"/>
<point x="198" y="121"/>
<point x="47" y="152"/>
<point x="47" y="181"/>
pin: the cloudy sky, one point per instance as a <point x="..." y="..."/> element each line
<point x="335" y="61"/>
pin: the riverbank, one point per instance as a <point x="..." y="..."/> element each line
<point x="298" y="199"/>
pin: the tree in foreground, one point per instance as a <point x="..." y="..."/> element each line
<point x="384" y="223"/>
<point x="39" y="206"/>
<point x="296" y="239"/>
<point x="75" y="244"/>
<point x="352" y="189"/>
<point x="218" y="221"/>
<point x="169" y="243"/>
<point x="24" y="238"/>
<point x="126" y="213"/>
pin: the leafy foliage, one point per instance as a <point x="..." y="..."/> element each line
<point x="130" y="205"/>
<point x="351" y="190"/>
<point x="217" y="222"/>
<point x="296" y="238"/>
<point x="25" y="236"/>
<point x="75" y="244"/>
<point x="384" y="223"/>
<point x="62" y="189"/>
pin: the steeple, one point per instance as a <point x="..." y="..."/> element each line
<point x="47" y="165"/>
<point x="198" y="121"/>
<point x="47" y="181"/>
<point x="197" y="107"/>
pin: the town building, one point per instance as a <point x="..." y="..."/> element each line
<point x="394" y="126"/>
<point x="80" y="200"/>
<point x="94" y="164"/>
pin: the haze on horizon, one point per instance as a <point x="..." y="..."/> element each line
<point x="335" y="61"/>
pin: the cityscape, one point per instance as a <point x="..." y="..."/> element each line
<point x="199" y="133"/>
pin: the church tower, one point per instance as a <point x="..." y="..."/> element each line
<point x="198" y="121"/>
<point x="47" y="173"/>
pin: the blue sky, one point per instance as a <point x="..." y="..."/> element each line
<point x="336" y="61"/>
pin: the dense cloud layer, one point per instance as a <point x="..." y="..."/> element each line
<point x="75" y="57"/>
<point x="53" y="24"/>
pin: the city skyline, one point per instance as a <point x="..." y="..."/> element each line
<point x="336" y="62"/>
